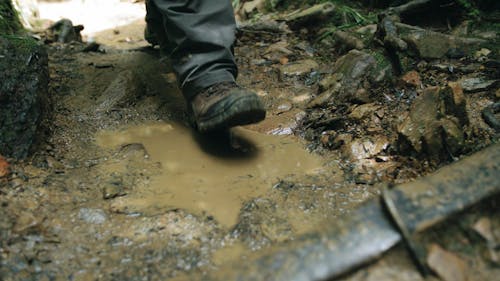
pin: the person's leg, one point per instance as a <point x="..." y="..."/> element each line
<point x="200" y="35"/>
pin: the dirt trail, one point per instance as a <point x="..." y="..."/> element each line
<point x="123" y="189"/>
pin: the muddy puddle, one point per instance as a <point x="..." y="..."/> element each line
<point x="208" y="175"/>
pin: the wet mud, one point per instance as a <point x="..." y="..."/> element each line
<point x="208" y="174"/>
<point x="121" y="187"/>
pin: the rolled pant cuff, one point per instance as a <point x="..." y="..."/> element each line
<point x="191" y="89"/>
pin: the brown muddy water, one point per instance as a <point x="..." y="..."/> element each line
<point x="210" y="175"/>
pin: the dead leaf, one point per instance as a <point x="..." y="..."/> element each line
<point x="4" y="167"/>
<point x="412" y="78"/>
<point x="283" y="60"/>
<point x="446" y="265"/>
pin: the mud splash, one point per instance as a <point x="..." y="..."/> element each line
<point x="208" y="175"/>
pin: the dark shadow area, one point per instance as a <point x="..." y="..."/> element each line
<point x="227" y="144"/>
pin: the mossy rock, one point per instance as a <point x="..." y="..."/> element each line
<point x="9" y="21"/>
<point x="23" y="93"/>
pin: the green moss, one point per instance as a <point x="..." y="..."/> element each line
<point x="9" y="21"/>
<point x="23" y="43"/>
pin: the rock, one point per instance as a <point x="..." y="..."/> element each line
<point x="353" y="73"/>
<point x="9" y="21"/>
<point x="4" y="167"/>
<point x="94" y="216"/>
<point x="63" y="31"/>
<point x="434" y="45"/>
<point x="434" y="125"/>
<point x="23" y="93"/>
<point x="124" y="89"/>
<point x="298" y="68"/>
<point x="477" y="84"/>
<point x="446" y="265"/>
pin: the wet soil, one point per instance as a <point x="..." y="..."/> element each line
<point x="122" y="188"/>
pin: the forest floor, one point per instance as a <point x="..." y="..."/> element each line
<point x="122" y="188"/>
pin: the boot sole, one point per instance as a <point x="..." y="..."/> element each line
<point x="236" y="112"/>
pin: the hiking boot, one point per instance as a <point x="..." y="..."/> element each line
<point x="225" y="105"/>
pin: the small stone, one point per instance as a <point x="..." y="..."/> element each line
<point x="94" y="216"/>
<point x="281" y="131"/>
<point x="448" y="266"/>
<point x="284" y="108"/>
<point x="300" y="99"/>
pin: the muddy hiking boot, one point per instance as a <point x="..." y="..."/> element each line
<point x="225" y="105"/>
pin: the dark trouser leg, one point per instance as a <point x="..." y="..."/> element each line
<point x="201" y="33"/>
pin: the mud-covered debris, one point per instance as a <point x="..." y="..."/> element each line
<point x="92" y="47"/>
<point x="434" y="124"/>
<point x="4" y="167"/>
<point x="365" y="148"/>
<point x="447" y="265"/>
<point x="93" y="216"/>
<point x="278" y="52"/>
<point x="298" y="68"/>
<point x="434" y="45"/>
<point x="477" y="84"/>
<point x="364" y="111"/>
<point x="125" y="88"/>
<point x="25" y="221"/>
<point x="113" y="187"/>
